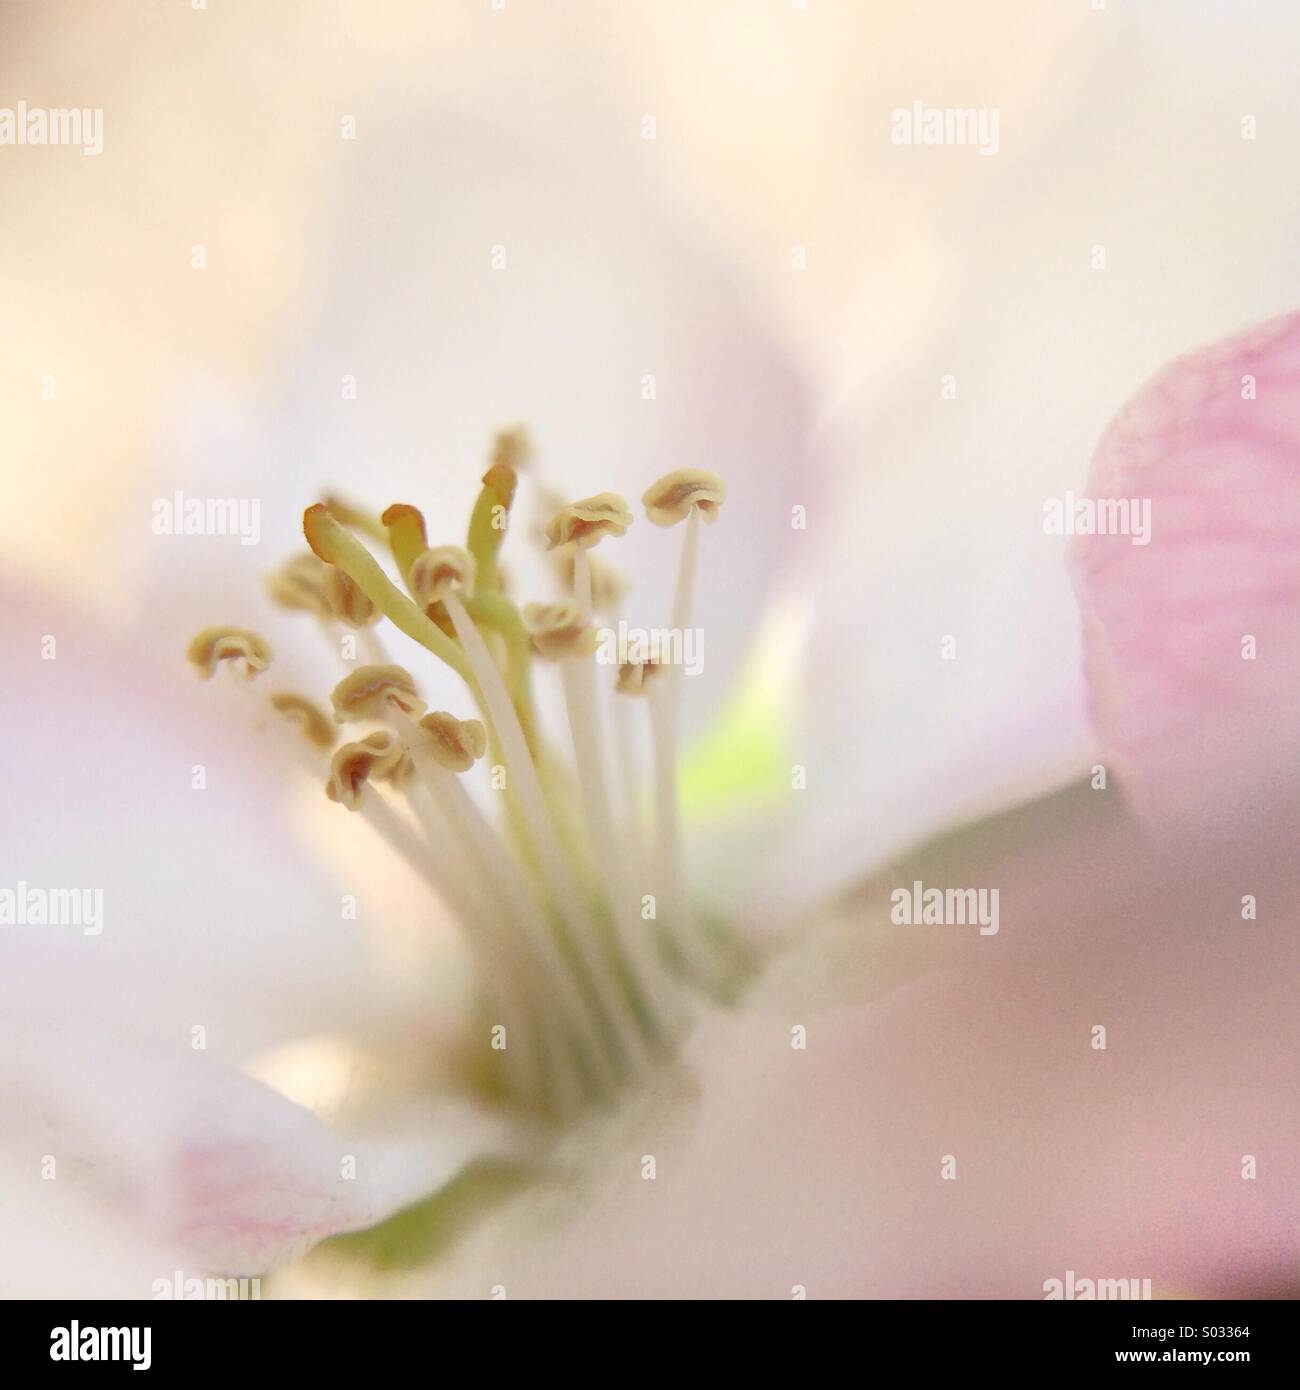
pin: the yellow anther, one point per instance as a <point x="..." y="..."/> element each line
<point x="440" y="570"/>
<point x="670" y="500"/>
<point x="376" y="756"/>
<point x="559" y="629"/>
<point x="456" y="744"/>
<point x="370" y="692"/>
<point x="299" y="710"/>
<point x="586" y="522"/>
<point x="216" y="644"/>
<point x="632" y="676"/>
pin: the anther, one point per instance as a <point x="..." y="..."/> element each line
<point x="346" y="601"/>
<point x="512" y="448"/>
<point x="559" y="629"/>
<point x="456" y="744"/>
<point x="307" y="716"/>
<point x="216" y="644"/>
<point x="377" y="756"/>
<point x="439" y="571"/>
<point x="334" y="544"/>
<point x="299" y="583"/>
<point x="370" y="692"/>
<point x="587" y="522"/>
<point x="676" y="494"/>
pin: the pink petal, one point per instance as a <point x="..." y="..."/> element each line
<point x="822" y="1167"/>
<point x="1196" y="726"/>
<point x="197" y="1156"/>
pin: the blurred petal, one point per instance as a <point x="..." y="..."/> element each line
<point x="823" y="1167"/>
<point x="209" y="1161"/>
<point x="1193" y="640"/>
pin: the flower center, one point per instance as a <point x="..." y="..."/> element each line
<point x="573" y="903"/>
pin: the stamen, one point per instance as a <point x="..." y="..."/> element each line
<point x="333" y="544"/>
<point x="582" y="579"/>
<point x="489" y="520"/>
<point x="435" y="572"/>
<point x="507" y="981"/>
<point x="672" y="889"/>
<point x="513" y="447"/>
<point x="560" y="629"/>
<point x="299" y="710"/>
<point x="567" y="959"/>
<point x="665" y="1009"/>
<point x="456" y="744"/>
<point x="370" y="691"/>
<point x="349" y="514"/>
<point x="681" y="491"/>
<point x="564" y="892"/>
<point x="217" y="644"/>
<point x="379" y="755"/>
<point x="562" y="635"/>
<point x="500" y="877"/>
<point x="606" y="586"/>
<point x="587" y="522"/>
<point x="689" y="493"/>
<point x="406" y="536"/>
<point x="632" y="676"/>
<point x="346" y="601"/>
<point x="631" y="680"/>
<point x="299" y="583"/>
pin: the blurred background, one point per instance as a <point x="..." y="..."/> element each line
<point x="340" y="245"/>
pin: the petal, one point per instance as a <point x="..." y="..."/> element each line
<point x="1193" y="640"/>
<point x="823" y="1167"/>
<point x="60" y="1242"/>
<point x="207" y="1161"/>
<point x="214" y="912"/>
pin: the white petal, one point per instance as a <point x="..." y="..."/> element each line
<point x="203" y="1159"/>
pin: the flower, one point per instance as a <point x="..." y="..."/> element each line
<point x="814" y="390"/>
